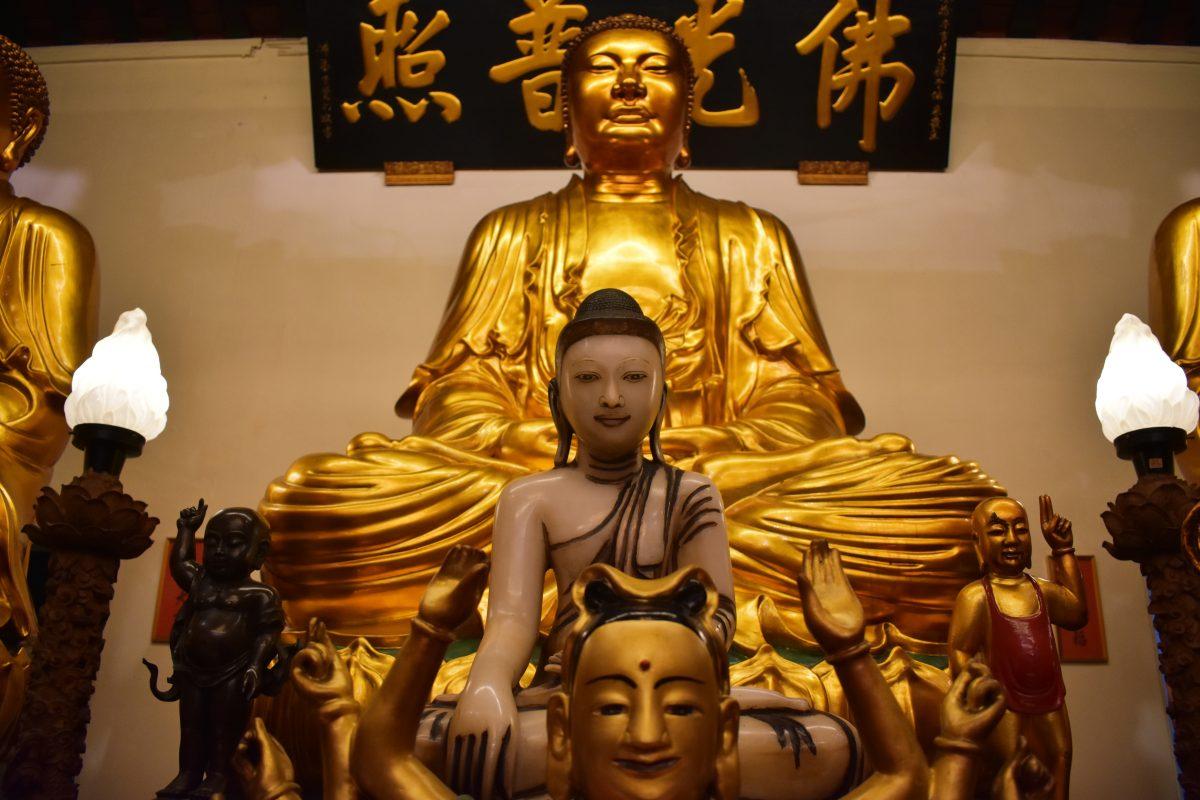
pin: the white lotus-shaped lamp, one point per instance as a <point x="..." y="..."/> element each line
<point x="1143" y="400"/>
<point x="118" y="398"/>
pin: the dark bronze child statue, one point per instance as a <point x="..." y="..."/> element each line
<point x="224" y="644"/>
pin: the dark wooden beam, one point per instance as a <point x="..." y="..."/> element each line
<point x="1023" y="19"/>
<point x="179" y="19"/>
<point x="233" y="18"/>
<point x="1149" y="28"/>
<point x="1058" y="18"/>
<point x="1091" y="19"/>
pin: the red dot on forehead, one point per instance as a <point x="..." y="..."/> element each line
<point x="645" y="664"/>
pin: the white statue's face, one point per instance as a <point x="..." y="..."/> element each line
<point x="611" y="389"/>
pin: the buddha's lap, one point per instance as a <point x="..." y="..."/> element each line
<point x="357" y="537"/>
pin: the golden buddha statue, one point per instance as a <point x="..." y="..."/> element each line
<point x="754" y="402"/>
<point x="47" y="326"/>
<point x="1175" y="303"/>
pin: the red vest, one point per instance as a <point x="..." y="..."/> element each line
<point x="1024" y="657"/>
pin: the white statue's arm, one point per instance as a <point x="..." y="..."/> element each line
<point x="485" y="722"/>
<point x="704" y="542"/>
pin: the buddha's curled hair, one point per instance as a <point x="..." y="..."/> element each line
<point x="604" y="594"/>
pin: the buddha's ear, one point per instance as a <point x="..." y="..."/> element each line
<point x="728" y="783"/>
<point x="558" y="747"/>
<point x="23" y="137"/>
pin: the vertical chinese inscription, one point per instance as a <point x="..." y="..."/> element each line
<point x="392" y="57"/>
<point x="706" y="45"/>
<point x="548" y="26"/>
<point x="939" y="71"/>
<point x="326" y="105"/>
<point x="870" y="38"/>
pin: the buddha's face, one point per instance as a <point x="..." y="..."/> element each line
<point x="611" y="390"/>
<point x="628" y="92"/>
<point x="645" y="718"/>
<point x="1002" y="538"/>
<point x="232" y="547"/>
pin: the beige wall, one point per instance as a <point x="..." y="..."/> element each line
<point x="970" y="310"/>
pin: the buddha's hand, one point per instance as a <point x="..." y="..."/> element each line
<point x="1023" y="776"/>
<point x="1055" y="529"/>
<point x="974" y="705"/>
<point x="481" y="745"/>
<point x="191" y="518"/>
<point x="263" y="765"/>
<point x="831" y="608"/>
<point x="534" y="438"/>
<point x="321" y="676"/>
<point x="454" y="592"/>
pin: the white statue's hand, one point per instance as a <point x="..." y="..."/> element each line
<point x="481" y="745"/>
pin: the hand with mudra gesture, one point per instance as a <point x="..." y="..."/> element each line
<point x="1056" y="530"/>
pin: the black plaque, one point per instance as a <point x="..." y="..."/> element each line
<point x="491" y="129"/>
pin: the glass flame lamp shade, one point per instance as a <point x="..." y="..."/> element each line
<point x="118" y="398"/>
<point x="1143" y="400"/>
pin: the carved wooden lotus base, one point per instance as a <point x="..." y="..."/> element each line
<point x="1156" y="524"/>
<point x="89" y="526"/>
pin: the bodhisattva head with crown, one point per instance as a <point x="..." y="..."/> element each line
<point x="645" y="710"/>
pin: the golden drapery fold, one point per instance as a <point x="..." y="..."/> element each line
<point x="755" y="401"/>
<point x="47" y="327"/>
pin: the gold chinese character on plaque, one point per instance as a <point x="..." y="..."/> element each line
<point x="870" y="39"/>
<point x="392" y="57"/>
<point x="548" y="26"/>
<point x="706" y="46"/>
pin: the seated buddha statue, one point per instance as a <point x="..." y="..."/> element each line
<point x="50" y="286"/>
<point x="755" y="401"/>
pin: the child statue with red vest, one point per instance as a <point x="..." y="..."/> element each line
<point x="1005" y="618"/>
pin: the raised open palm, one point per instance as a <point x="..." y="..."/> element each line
<point x="831" y="608"/>
<point x="455" y="591"/>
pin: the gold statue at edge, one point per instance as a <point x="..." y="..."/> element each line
<point x="47" y="326"/>
<point x="1175" y="303"/>
<point x="755" y="400"/>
